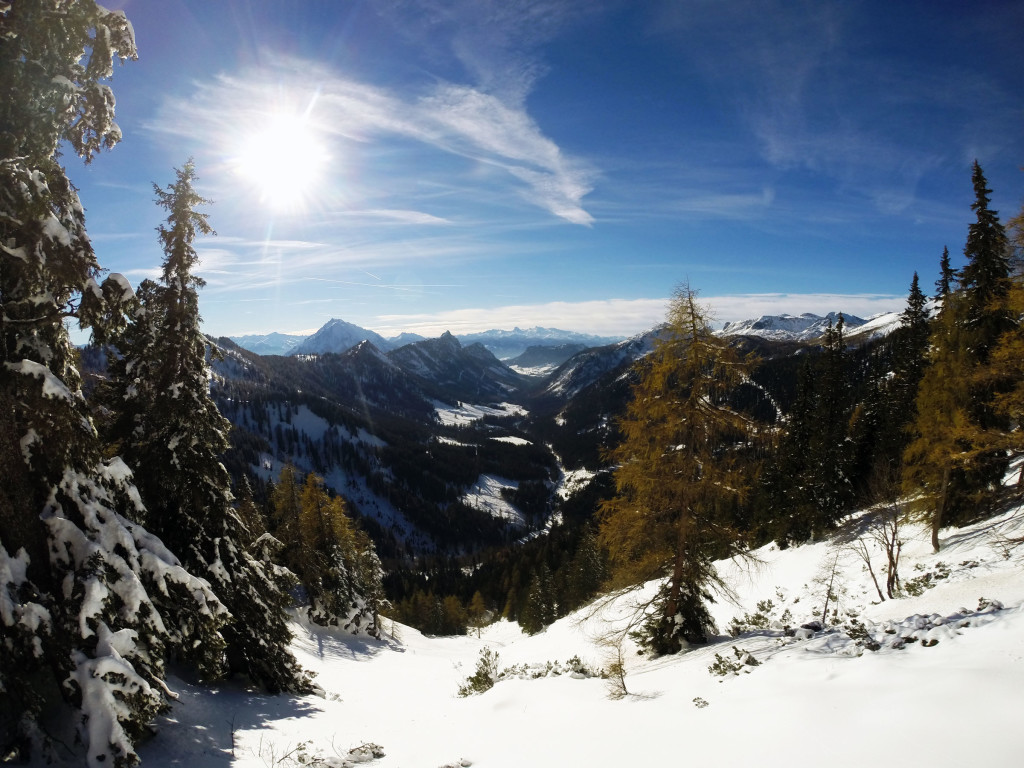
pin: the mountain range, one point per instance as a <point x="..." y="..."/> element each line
<point x="338" y="336"/>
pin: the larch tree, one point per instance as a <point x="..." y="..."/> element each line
<point x="90" y="600"/>
<point x="676" y="469"/>
<point x="334" y="560"/>
<point x="956" y="454"/>
<point x="170" y="430"/>
<point x="1004" y="372"/>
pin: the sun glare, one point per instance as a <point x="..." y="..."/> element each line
<point x="284" y="161"/>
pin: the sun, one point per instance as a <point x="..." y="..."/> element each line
<point x="284" y="161"/>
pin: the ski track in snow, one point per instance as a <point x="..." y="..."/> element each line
<point x="956" y="703"/>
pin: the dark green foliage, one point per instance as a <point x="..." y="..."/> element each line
<point x="541" y="608"/>
<point x="947" y="277"/>
<point x="984" y="280"/>
<point x="807" y="482"/>
<point x="483" y="679"/>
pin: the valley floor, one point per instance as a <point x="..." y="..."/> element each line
<point x="825" y="699"/>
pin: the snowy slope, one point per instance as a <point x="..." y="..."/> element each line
<point x="789" y="327"/>
<point x="821" y="699"/>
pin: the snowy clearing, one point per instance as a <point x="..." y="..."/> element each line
<point x="485" y="495"/>
<point x="953" y="703"/>
<point x="513" y="440"/>
<point x="464" y="413"/>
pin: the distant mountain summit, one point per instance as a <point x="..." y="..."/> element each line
<point x="269" y="343"/>
<point x="466" y="371"/>
<point x="790" y="328"/>
<point x="508" y="344"/>
<point x="337" y="336"/>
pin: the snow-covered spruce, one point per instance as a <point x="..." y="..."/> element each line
<point x="91" y="602"/>
<point x="170" y="430"/>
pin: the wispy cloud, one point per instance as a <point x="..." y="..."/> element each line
<point x="496" y="41"/>
<point x="444" y="119"/>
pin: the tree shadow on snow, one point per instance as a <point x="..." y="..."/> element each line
<point x="201" y="729"/>
<point x="338" y="644"/>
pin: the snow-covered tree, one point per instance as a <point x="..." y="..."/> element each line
<point x="168" y="427"/>
<point x="89" y="600"/>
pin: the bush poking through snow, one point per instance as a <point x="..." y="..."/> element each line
<point x="725" y="666"/>
<point x="488" y="672"/>
<point x="306" y="754"/>
<point x="485" y="676"/>
<point x="917" y="585"/>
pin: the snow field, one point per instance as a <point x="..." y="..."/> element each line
<point x="823" y="699"/>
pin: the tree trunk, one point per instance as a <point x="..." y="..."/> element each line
<point x="940" y="509"/>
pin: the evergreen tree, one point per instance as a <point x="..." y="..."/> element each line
<point x="808" y="480"/>
<point x="914" y="318"/>
<point x="169" y="428"/>
<point x="879" y="425"/>
<point x="791" y="513"/>
<point x="540" y="609"/>
<point x="947" y="277"/>
<point x="89" y="599"/>
<point x="675" y="471"/>
<point x="585" y="572"/>
<point x="830" y="452"/>
<point x="1003" y="374"/>
<point x="984" y="279"/>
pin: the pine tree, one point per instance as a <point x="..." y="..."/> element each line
<point x="169" y="428"/>
<point x="914" y="318"/>
<point x="828" y="475"/>
<point x="89" y="599"/>
<point x="879" y="425"/>
<point x="807" y="482"/>
<point x="947" y="277"/>
<point x="540" y="609"/>
<point x="674" y="474"/>
<point x="984" y="279"/>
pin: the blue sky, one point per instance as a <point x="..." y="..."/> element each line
<point x="424" y="165"/>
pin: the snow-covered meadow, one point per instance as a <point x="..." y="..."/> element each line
<point x="824" y="698"/>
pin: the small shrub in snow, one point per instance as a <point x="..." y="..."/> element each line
<point x="485" y="676"/>
<point x="488" y="672"/>
<point x="699" y="703"/>
<point x="916" y="586"/>
<point x="761" y="619"/>
<point x="306" y="754"/>
<point x="724" y="666"/>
